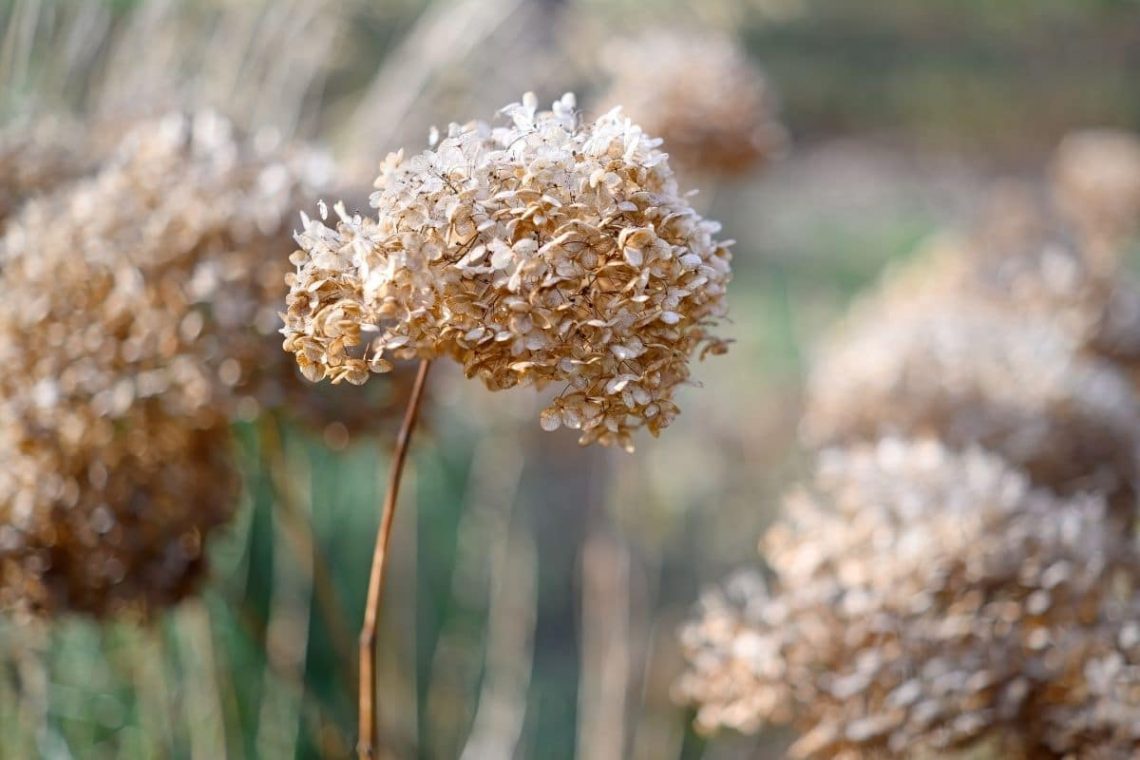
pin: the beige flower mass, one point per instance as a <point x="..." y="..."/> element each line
<point x="702" y="95"/>
<point x="927" y="600"/>
<point x="547" y="250"/>
<point x="129" y="328"/>
<point x="922" y="356"/>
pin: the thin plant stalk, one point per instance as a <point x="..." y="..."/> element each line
<point x="367" y="746"/>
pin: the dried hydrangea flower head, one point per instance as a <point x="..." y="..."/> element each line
<point x="1025" y="253"/>
<point x="544" y="251"/>
<point x="140" y="315"/>
<point x="702" y="95"/>
<point x="921" y="598"/>
<point x="1039" y="273"/>
<point x="914" y="359"/>
<point x="1096" y="180"/>
<point x="113" y="464"/>
<point x="229" y="201"/>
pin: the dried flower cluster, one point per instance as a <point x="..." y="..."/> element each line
<point x="702" y="95"/>
<point x="137" y="322"/>
<point x="971" y="373"/>
<point x="1023" y="256"/>
<point x="545" y="251"/>
<point x="929" y="599"/>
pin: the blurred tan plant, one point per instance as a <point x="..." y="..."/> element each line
<point x="1096" y="181"/>
<point x="912" y="361"/>
<point x="138" y="323"/>
<point x="701" y="94"/>
<point x="926" y="600"/>
<point x="1024" y="254"/>
<point x="545" y="251"/>
<point x="1094" y="705"/>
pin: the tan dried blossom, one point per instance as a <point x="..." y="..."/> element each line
<point x="1024" y="256"/>
<point x="1040" y="276"/>
<point x="1096" y="180"/>
<point x="917" y="358"/>
<point x="186" y="196"/>
<point x="544" y="251"/>
<point x="700" y="93"/>
<point x="136" y="324"/>
<point x="925" y="600"/>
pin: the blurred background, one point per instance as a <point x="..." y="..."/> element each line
<point x="536" y="588"/>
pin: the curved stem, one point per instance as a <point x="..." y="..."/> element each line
<point x="366" y="747"/>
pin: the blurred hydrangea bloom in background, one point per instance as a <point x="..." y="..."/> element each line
<point x="139" y="309"/>
<point x="700" y="93"/>
<point x="974" y="374"/>
<point x="926" y="599"/>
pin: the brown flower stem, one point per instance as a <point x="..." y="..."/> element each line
<point x="366" y="747"/>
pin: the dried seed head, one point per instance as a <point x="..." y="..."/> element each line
<point x="546" y="251"/>
<point x="918" y="358"/>
<point x="130" y="327"/>
<point x="1096" y="179"/>
<point x="702" y="95"/>
<point x="925" y="599"/>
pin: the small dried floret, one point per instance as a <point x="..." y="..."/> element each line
<point x="925" y="599"/>
<point x="545" y="251"/>
<point x="702" y="95"/>
<point x="1096" y="178"/>
<point x="919" y="360"/>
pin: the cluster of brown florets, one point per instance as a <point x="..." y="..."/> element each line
<point x="545" y="251"/>
<point x="702" y="95"/>
<point x="136" y="324"/>
<point x="930" y="599"/>
<point x="962" y="570"/>
<point x="970" y="372"/>
<point x="1024" y="257"/>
